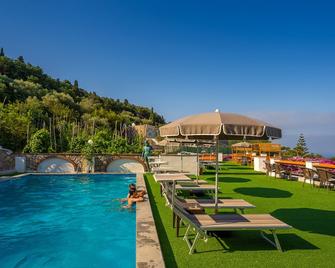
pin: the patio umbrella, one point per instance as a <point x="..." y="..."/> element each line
<point x="242" y="145"/>
<point x="219" y="126"/>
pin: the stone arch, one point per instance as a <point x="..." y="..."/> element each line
<point x="56" y="164"/>
<point x="126" y="165"/>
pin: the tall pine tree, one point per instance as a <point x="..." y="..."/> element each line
<point x="152" y="116"/>
<point x="2" y="53"/>
<point x="301" y="148"/>
<point x="75" y="87"/>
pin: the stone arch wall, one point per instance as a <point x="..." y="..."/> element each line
<point x="125" y="166"/>
<point x="7" y="161"/>
<point x="103" y="161"/>
<point x="56" y="165"/>
<point x="34" y="160"/>
<point x="79" y="162"/>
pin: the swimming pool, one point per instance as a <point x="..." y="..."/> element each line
<point x="66" y="221"/>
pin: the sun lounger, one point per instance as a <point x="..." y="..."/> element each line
<point x="210" y="203"/>
<point x="194" y="182"/>
<point x="197" y="206"/>
<point x="210" y="188"/>
<point x="195" y="187"/>
<point x="203" y="224"/>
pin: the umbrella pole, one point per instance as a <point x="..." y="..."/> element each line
<point x="216" y="173"/>
<point x="197" y="161"/>
<point x="181" y="160"/>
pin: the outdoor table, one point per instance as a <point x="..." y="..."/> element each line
<point x="290" y="163"/>
<point x="303" y="164"/>
<point x="323" y="165"/>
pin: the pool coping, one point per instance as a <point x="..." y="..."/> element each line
<point x="148" y="249"/>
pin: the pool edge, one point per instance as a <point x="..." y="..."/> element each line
<point x="148" y="249"/>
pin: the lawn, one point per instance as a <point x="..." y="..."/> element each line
<point x="311" y="211"/>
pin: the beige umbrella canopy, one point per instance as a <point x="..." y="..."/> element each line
<point x="225" y="126"/>
<point x="219" y="126"/>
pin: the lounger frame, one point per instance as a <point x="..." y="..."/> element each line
<point x="202" y="232"/>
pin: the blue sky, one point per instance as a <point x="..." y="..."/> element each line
<point x="274" y="60"/>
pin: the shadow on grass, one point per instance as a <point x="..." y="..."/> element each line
<point x="263" y="192"/>
<point x="252" y="241"/>
<point x="229" y="179"/>
<point x="308" y="219"/>
<point x="236" y="167"/>
<point x="232" y="241"/>
<point x="243" y="173"/>
<point x="247" y="172"/>
<point x="163" y="238"/>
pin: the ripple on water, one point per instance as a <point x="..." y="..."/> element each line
<point x="66" y="221"/>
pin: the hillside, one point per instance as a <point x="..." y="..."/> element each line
<point x="32" y="101"/>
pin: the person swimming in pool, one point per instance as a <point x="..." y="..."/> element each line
<point x="133" y="196"/>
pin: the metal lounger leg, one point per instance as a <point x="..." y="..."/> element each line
<point x="186" y="236"/>
<point x="191" y="245"/>
<point x="167" y="203"/>
<point x="178" y="226"/>
<point x="276" y="240"/>
<point x="276" y="243"/>
<point x="192" y="248"/>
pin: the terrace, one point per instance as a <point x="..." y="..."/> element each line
<point x="310" y="211"/>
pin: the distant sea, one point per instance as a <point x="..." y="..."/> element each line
<point x="318" y="144"/>
<point x="328" y="155"/>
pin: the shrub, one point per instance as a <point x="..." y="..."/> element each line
<point x="78" y="143"/>
<point x="39" y="142"/>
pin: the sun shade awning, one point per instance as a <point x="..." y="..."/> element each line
<point x="222" y="125"/>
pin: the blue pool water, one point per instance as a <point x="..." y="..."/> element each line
<point x="66" y="221"/>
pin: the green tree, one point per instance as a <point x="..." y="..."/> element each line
<point x="39" y="142"/>
<point x="2" y="53"/>
<point x="301" y="148"/>
<point x="288" y="152"/>
<point x="102" y="140"/>
<point x="78" y="143"/>
<point x="75" y="87"/>
<point x="13" y="126"/>
<point x="152" y="116"/>
<point x="31" y="100"/>
<point x="21" y="59"/>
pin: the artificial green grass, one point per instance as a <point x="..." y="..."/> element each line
<point x="311" y="211"/>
